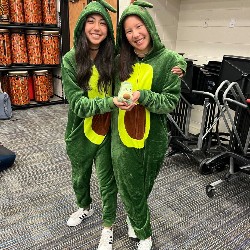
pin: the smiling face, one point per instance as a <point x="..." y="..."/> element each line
<point x="96" y="30"/>
<point x="137" y="34"/>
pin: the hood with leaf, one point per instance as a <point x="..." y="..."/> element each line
<point x="139" y="8"/>
<point x="95" y="7"/>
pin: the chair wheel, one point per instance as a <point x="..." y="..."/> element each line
<point x="210" y="191"/>
<point x="204" y="168"/>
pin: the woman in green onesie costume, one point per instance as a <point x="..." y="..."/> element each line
<point x="87" y="73"/>
<point x="139" y="131"/>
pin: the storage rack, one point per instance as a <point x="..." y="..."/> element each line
<point x="63" y="28"/>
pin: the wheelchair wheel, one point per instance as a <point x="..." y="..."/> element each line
<point x="210" y="191"/>
<point x="204" y="168"/>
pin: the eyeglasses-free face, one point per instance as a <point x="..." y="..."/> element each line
<point x="137" y="34"/>
<point x="96" y="30"/>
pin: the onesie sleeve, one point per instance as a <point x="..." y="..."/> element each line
<point x="181" y="63"/>
<point x="165" y="101"/>
<point x="79" y="103"/>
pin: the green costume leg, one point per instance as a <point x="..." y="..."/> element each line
<point x="81" y="153"/>
<point x="107" y="183"/>
<point x="130" y="176"/>
<point x="135" y="172"/>
<point x="81" y="164"/>
<point x="153" y="160"/>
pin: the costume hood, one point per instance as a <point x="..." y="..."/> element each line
<point x="95" y="7"/>
<point x="139" y="8"/>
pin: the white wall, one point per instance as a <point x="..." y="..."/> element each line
<point x="204" y="31"/>
<point x="166" y="17"/>
<point x="122" y="5"/>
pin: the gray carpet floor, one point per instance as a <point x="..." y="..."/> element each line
<point x="36" y="197"/>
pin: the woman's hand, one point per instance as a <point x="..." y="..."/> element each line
<point x="178" y="71"/>
<point x="123" y="105"/>
<point x="136" y="96"/>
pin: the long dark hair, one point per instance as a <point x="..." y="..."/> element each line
<point x="127" y="58"/>
<point x="104" y="62"/>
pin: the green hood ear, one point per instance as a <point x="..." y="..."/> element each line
<point x="143" y="4"/>
<point x="107" y="5"/>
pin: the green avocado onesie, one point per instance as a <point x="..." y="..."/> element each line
<point x="140" y="136"/>
<point x="88" y="129"/>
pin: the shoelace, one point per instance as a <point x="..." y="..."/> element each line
<point x="83" y="216"/>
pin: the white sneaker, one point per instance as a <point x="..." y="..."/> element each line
<point x="77" y="217"/>
<point x="145" y="244"/>
<point x="106" y="240"/>
<point x="131" y="232"/>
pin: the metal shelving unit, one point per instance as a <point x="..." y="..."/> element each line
<point x="63" y="28"/>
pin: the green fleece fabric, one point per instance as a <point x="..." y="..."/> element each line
<point x="87" y="133"/>
<point x="140" y="136"/>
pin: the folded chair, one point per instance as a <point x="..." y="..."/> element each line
<point x="238" y="153"/>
